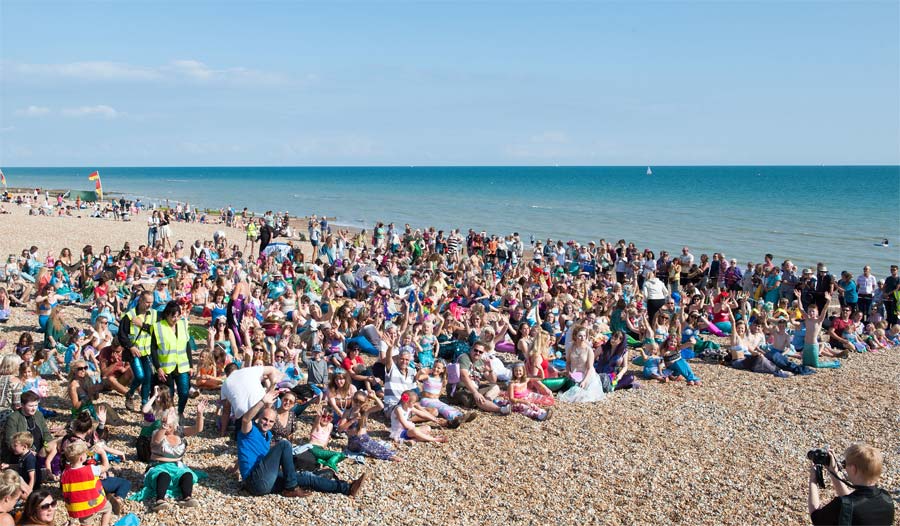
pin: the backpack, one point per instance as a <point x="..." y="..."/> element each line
<point x="142" y="445"/>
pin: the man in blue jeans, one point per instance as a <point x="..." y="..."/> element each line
<point x="267" y="468"/>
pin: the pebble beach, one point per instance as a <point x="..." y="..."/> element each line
<point x="730" y="452"/>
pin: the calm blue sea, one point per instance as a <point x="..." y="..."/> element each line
<point x="807" y="213"/>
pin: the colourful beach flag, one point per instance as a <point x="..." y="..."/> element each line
<point x="2" y="179"/>
<point x="94" y="176"/>
<point x="99" y="189"/>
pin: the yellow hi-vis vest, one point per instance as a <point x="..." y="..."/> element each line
<point x="171" y="348"/>
<point x="251" y="229"/>
<point x="141" y="336"/>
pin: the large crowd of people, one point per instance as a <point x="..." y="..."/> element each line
<point x="421" y="329"/>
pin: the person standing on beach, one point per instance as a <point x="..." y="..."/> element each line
<point x="135" y="330"/>
<point x="314" y="241"/>
<point x="265" y="235"/>
<point x="252" y="237"/>
<point x="171" y="352"/>
<point x="453" y="243"/>
<point x="889" y="289"/>
<point x="825" y="284"/>
<point x="865" y="288"/>
<point x="165" y="232"/>
<point x="687" y="259"/>
<point x="655" y="292"/>
<point x="152" y="228"/>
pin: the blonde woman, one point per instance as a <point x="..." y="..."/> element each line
<point x="10" y="385"/>
<point x="12" y="488"/>
<point x="82" y="389"/>
<point x="101" y="337"/>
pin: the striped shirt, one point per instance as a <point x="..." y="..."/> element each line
<point x="395" y="383"/>
<point x="452" y="244"/>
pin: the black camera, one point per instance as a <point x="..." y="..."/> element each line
<point x="819" y="456"/>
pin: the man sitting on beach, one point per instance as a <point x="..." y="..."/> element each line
<point x="268" y="467"/>
<point x="477" y="383"/>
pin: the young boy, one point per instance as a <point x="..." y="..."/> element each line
<point x="813" y="321"/>
<point x="26" y="461"/>
<point x="81" y="488"/>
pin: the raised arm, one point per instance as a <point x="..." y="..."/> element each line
<point x="267" y="400"/>
<point x="197" y="428"/>
<point x="824" y="313"/>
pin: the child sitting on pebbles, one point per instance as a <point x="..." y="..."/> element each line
<point x="525" y="401"/>
<point x="402" y="427"/>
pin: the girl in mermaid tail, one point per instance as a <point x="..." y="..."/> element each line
<point x="353" y="422"/>
<point x="528" y="397"/>
<point x="671" y="354"/>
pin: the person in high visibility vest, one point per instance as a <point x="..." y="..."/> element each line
<point x="171" y="353"/>
<point x="135" y="330"/>
<point x="252" y="236"/>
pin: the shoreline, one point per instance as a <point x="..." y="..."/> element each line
<point x="745" y="235"/>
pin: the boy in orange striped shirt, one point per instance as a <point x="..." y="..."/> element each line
<point x="81" y="487"/>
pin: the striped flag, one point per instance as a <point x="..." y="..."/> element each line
<point x="2" y="179"/>
<point x="99" y="189"/>
<point x="94" y="176"/>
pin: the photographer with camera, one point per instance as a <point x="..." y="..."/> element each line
<point x="858" y="500"/>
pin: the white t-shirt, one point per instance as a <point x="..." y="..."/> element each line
<point x="866" y="284"/>
<point x="243" y="389"/>
<point x="397" y="426"/>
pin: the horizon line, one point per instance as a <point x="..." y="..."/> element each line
<point x="798" y="165"/>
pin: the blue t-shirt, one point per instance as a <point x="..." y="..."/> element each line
<point x="251" y="447"/>
<point x="850" y="293"/>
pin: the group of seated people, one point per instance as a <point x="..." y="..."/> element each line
<point x="303" y="356"/>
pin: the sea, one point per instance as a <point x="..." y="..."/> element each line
<point x="838" y="215"/>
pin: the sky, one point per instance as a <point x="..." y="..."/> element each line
<point x="196" y="83"/>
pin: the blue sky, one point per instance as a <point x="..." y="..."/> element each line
<point x="195" y="83"/>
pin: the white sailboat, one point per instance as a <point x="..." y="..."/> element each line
<point x="649" y="171"/>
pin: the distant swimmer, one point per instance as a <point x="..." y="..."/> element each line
<point x="884" y="243"/>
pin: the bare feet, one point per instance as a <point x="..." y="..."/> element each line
<point x="356" y="485"/>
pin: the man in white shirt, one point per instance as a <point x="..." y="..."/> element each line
<point x="243" y="388"/>
<point x="865" y="288"/>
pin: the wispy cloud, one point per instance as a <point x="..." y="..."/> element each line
<point x="181" y="70"/>
<point x="32" y="111"/>
<point x="93" y="70"/>
<point x="100" y="110"/>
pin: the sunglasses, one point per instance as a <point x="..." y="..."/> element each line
<point x="48" y="505"/>
<point x="81" y="368"/>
